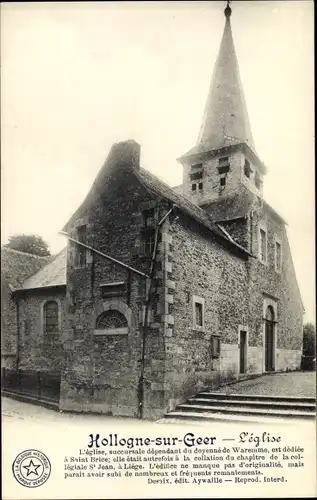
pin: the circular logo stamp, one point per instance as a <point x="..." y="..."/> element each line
<point x="31" y="468"/>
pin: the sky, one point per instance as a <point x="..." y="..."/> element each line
<point x="77" y="77"/>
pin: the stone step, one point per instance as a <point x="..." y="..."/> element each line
<point x="26" y="398"/>
<point x="233" y="402"/>
<point x="179" y="417"/>
<point x="243" y="411"/>
<point x="255" y="397"/>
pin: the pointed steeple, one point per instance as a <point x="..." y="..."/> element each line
<point x="225" y="120"/>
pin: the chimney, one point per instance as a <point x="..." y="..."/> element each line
<point x="125" y="155"/>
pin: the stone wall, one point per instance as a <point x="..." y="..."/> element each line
<point x="102" y="372"/>
<point x="38" y="350"/>
<point x="8" y="326"/>
<point x="202" y="267"/>
<point x="280" y="288"/>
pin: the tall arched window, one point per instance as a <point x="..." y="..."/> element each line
<point x="111" y="322"/>
<point x="51" y="322"/>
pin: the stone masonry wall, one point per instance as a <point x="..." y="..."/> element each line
<point x="280" y="288"/>
<point x="201" y="267"/>
<point x="102" y="372"/>
<point x="37" y="350"/>
<point x="8" y="327"/>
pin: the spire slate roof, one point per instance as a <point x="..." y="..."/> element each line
<point x="225" y="120"/>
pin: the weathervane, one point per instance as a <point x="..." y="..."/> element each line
<point x="228" y="9"/>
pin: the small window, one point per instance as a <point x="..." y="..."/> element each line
<point x="195" y="176"/>
<point x="194" y="187"/>
<point x="278" y="256"/>
<point x="223" y="162"/>
<point x="198" y="166"/>
<point x="222" y="182"/>
<point x="111" y="319"/>
<point x="198" y="312"/>
<point x="148" y="217"/>
<point x="51" y="317"/>
<point x="111" y="322"/>
<point x="215" y="347"/>
<point x="196" y="172"/>
<point x="148" y="240"/>
<point x="257" y="181"/>
<point x="223" y="170"/>
<point x="247" y="169"/>
<point x="81" y="254"/>
<point x="200" y="186"/>
<point x="263" y="245"/>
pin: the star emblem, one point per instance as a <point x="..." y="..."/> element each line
<point x="31" y="468"/>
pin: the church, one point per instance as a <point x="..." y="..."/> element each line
<point x="162" y="292"/>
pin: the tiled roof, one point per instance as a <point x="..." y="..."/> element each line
<point x="54" y="273"/>
<point x="200" y="215"/>
<point x="17" y="266"/>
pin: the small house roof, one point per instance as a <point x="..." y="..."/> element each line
<point x="53" y="274"/>
<point x="17" y="266"/>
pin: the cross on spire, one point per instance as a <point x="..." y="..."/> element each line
<point x="228" y="9"/>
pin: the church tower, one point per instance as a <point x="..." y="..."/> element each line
<point x="224" y="161"/>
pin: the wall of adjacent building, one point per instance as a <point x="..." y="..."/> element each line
<point x="8" y="327"/>
<point x="37" y="349"/>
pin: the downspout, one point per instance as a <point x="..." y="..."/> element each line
<point x="251" y="231"/>
<point x="149" y="285"/>
<point x="16" y="299"/>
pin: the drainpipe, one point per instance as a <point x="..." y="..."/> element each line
<point x="16" y="299"/>
<point x="251" y="231"/>
<point x="149" y="285"/>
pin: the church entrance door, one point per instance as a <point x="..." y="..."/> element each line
<point x="269" y="340"/>
<point x="243" y="351"/>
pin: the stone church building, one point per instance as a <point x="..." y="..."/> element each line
<point x="162" y="292"/>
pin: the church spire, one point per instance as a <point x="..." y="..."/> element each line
<point x="225" y="120"/>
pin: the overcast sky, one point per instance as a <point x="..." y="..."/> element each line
<point x="77" y="77"/>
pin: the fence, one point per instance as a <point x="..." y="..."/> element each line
<point x="37" y="384"/>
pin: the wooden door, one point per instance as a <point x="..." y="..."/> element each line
<point x="269" y="346"/>
<point x="243" y="351"/>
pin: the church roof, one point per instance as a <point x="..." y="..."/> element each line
<point x="225" y="121"/>
<point x="17" y="266"/>
<point x="160" y="188"/>
<point x="53" y="274"/>
<point x="156" y="186"/>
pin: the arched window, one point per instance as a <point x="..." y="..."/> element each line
<point x="269" y="313"/>
<point x="51" y="323"/>
<point x="111" y="322"/>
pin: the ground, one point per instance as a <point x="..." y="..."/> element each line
<point x="299" y="384"/>
<point x="296" y="384"/>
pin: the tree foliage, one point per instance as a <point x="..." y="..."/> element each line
<point x="309" y="340"/>
<point x="29" y="243"/>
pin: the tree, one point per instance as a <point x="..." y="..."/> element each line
<point x="309" y="346"/>
<point x="29" y="243"/>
